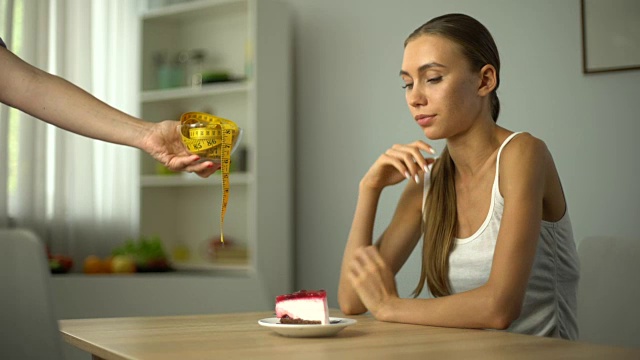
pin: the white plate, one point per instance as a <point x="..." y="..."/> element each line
<point x="309" y="330"/>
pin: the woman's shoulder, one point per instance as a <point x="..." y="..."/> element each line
<point x="524" y="160"/>
<point x="528" y="170"/>
<point x="524" y="146"/>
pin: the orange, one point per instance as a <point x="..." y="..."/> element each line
<point x="92" y="265"/>
<point x="106" y="264"/>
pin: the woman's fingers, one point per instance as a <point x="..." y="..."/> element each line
<point x="192" y="164"/>
<point x="406" y="159"/>
<point x="405" y="155"/>
<point x="371" y="279"/>
<point x="208" y="171"/>
<point x="367" y="260"/>
<point x="424" y="146"/>
<point x="415" y="148"/>
<point x="360" y="270"/>
<point x="394" y="158"/>
<point x="204" y="169"/>
<point x="375" y="257"/>
<point x="181" y="163"/>
<point x="409" y="161"/>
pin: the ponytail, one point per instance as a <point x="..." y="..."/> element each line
<point x="439" y="226"/>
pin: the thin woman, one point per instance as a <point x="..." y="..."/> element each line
<point x="498" y="249"/>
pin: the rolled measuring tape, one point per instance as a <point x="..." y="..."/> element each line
<point x="212" y="138"/>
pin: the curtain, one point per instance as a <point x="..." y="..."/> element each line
<point x="6" y="27"/>
<point x="80" y="195"/>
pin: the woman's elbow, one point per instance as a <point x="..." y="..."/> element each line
<point x="351" y="309"/>
<point x="502" y="322"/>
<point x="503" y="316"/>
<point x="349" y="302"/>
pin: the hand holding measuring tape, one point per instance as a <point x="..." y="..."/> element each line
<point x="213" y="139"/>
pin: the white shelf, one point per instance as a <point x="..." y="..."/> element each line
<point x="191" y="92"/>
<point x="239" y="268"/>
<point x="192" y="180"/>
<point x="186" y="10"/>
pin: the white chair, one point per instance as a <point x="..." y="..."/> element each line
<point x="27" y="322"/>
<point x="609" y="291"/>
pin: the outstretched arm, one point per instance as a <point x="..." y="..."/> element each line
<point x="61" y="103"/>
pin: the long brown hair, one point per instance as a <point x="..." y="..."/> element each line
<point x="440" y="210"/>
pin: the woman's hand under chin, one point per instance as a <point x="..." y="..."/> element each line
<point x="401" y="161"/>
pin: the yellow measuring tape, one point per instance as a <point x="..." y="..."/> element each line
<point x="211" y="138"/>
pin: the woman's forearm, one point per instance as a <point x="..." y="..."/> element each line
<point x="76" y="110"/>
<point x="479" y="308"/>
<point x="360" y="236"/>
<point x="63" y="104"/>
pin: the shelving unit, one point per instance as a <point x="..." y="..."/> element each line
<point x="192" y="180"/>
<point x="250" y="40"/>
<point x="151" y="96"/>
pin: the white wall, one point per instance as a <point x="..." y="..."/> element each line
<point x="350" y="108"/>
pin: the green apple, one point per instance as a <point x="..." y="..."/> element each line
<point x="123" y="264"/>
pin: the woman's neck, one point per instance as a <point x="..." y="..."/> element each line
<point x="472" y="150"/>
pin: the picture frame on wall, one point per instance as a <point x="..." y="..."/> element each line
<point x="610" y="35"/>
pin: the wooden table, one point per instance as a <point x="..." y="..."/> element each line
<point x="238" y="336"/>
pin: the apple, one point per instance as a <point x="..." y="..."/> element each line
<point x="60" y="264"/>
<point x="123" y="264"/>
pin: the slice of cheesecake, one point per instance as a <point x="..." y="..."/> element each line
<point x="303" y="307"/>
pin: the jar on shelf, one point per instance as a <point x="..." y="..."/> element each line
<point x="180" y="63"/>
<point x="170" y="73"/>
<point x="195" y="67"/>
<point x="164" y="74"/>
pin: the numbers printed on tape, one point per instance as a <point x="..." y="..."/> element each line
<point x="211" y="137"/>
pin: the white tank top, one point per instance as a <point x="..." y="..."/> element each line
<point x="550" y="303"/>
